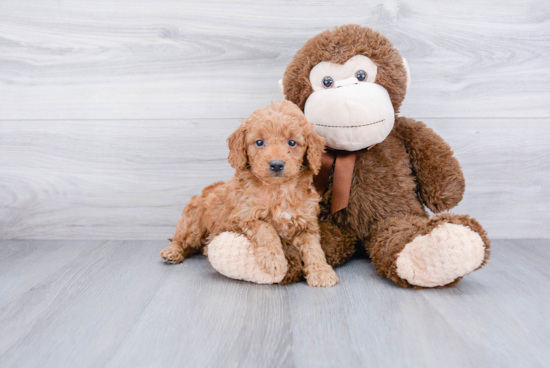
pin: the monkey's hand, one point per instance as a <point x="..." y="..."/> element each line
<point x="440" y="180"/>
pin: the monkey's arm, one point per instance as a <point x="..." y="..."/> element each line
<point x="440" y="180"/>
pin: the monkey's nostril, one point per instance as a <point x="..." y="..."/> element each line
<point x="276" y="165"/>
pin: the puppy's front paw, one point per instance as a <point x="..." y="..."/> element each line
<point x="271" y="261"/>
<point x="170" y="255"/>
<point x="321" y="276"/>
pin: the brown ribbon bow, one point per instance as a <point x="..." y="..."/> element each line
<point x="341" y="181"/>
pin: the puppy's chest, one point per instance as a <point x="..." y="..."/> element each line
<point x="284" y="217"/>
<point x="287" y="212"/>
<point x="285" y="221"/>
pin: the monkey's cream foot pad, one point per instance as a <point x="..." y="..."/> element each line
<point x="450" y="251"/>
<point x="232" y="255"/>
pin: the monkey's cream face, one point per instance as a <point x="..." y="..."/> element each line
<point x="347" y="107"/>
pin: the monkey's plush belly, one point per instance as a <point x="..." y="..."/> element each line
<point x="383" y="186"/>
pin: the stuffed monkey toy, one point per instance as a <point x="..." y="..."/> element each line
<point x="379" y="173"/>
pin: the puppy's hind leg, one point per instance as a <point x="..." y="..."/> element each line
<point x="177" y="251"/>
<point x="189" y="237"/>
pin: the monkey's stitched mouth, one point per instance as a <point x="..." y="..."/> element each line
<point x="349" y="126"/>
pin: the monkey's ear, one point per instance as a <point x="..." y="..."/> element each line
<point x="406" y="65"/>
<point x="315" y="148"/>
<point x="282" y="89"/>
<point x="238" y="158"/>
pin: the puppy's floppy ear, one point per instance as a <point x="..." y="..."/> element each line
<point x="315" y="148"/>
<point x="238" y="158"/>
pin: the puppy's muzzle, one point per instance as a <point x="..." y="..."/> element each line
<point x="276" y="166"/>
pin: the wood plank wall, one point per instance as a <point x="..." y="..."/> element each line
<point x="114" y="113"/>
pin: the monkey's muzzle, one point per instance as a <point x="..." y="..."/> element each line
<point x="352" y="117"/>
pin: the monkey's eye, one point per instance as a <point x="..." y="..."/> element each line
<point x="361" y="75"/>
<point x="328" y="82"/>
<point x="259" y="143"/>
<point x="292" y="143"/>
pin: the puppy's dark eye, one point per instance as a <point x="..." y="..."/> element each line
<point x="361" y="75"/>
<point x="259" y="143"/>
<point x="328" y="82"/>
<point x="292" y="143"/>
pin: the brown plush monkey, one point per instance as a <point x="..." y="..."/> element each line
<point x="350" y="83"/>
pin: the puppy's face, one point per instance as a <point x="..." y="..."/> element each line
<point x="276" y="143"/>
<point x="276" y="147"/>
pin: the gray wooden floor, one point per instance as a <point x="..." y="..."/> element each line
<point x="114" y="304"/>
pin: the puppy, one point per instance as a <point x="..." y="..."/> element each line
<point x="275" y="153"/>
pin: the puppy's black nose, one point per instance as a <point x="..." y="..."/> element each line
<point x="276" y="165"/>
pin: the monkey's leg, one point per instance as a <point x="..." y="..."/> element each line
<point x="422" y="252"/>
<point x="234" y="256"/>
<point x="295" y="272"/>
<point x="338" y="243"/>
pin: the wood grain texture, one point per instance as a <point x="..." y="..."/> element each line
<point x="106" y="177"/>
<point x="506" y="163"/>
<point x="39" y="259"/>
<point x="517" y="274"/>
<point x="131" y="180"/>
<point x="367" y="321"/>
<point x="89" y="305"/>
<point x="168" y="59"/>
<point x="119" y="305"/>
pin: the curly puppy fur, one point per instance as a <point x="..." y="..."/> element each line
<point x="269" y="207"/>
<point x="394" y="181"/>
